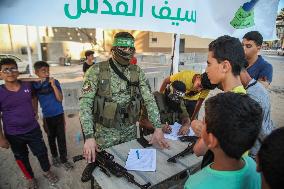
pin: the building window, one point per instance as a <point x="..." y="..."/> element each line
<point x="154" y="40"/>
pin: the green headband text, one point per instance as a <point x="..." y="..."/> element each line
<point x="123" y="42"/>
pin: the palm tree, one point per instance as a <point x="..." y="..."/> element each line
<point x="280" y="16"/>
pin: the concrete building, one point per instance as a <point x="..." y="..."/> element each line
<point x="161" y="42"/>
<point x="59" y="42"/>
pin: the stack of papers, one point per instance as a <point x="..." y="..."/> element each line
<point x="141" y="160"/>
<point x="174" y="134"/>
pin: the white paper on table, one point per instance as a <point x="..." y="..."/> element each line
<point x="174" y="134"/>
<point x="146" y="162"/>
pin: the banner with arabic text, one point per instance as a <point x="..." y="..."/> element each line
<point x="206" y="18"/>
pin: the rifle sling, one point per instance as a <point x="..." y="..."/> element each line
<point x="121" y="75"/>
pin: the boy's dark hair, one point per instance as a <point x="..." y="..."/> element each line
<point x="179" y="85"/>
<point x="254" y="36"/>
<point x="88" y="53"/>
<point x="231" y="49"/>
<point x="7" y="61"/>
<point x="40" y="64"/>
<point x="235" y="120"/>
<point x="270" y="158"/>
<point x="205" y="82"/>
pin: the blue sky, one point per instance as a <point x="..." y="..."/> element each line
<point x="281" y="5"/>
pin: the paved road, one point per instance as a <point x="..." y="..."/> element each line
<point x="68" y="73"/>
<point x="278" y="69"/>
<point x="71" y="75"/>
<point x="277" y="89"/>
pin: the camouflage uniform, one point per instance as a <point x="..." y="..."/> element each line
<point x="108" y="136"/>
<point x="166" y="114"/>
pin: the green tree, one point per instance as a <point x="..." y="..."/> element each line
<point x="280" y="16"/>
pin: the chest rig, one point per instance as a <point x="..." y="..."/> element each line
<point x="166" y="114"/>
<point x="109" y="113"/>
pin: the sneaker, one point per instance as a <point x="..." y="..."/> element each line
<point x="68" y="166"/>
<point x="51" y="177"/>
<point x="56" y="162"/>
<point x="31" y="184"/>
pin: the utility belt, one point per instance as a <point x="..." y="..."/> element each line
<point x="111" y="114"/>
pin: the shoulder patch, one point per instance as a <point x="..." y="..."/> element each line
<point x="87" y="87"/>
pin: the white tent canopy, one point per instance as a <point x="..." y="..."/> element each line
<point x="206" y="18"/>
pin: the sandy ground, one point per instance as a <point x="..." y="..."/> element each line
<point x="277" y="94"/>
<point x="12" y="178"/>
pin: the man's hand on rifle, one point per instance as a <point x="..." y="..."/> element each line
<point x="158" y="138"/>
<point x="90" y="149"/>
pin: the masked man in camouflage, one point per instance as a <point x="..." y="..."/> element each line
<point x="171" y="108"/>
<point x="112" y="93"/>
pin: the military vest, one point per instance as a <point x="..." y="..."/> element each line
<point x="166" y="114"/>
<point x="108" y="112"/>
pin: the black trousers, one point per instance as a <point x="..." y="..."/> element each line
<point x="33" y="140"/>
<point x="55" y="128"/>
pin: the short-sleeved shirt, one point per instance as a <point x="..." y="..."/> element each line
<point x="246" y="177"/>
<point x="86" y="66"/>
<point x="257" y="92"/>
<point x="260" y="69"/>
<point x="18" y="115"/>
<point x="49" y="104"/>
<point x="186" y="77"/>
<point x="239" y="89"/>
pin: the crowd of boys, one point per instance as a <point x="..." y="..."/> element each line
<point x="236" y="139"/>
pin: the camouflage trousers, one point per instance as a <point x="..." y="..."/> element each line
<point x="107" y="137"/>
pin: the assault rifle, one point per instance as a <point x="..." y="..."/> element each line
<point x="189" y="149"/>
<point x="105" y="162"/>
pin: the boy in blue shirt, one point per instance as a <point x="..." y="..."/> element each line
<point x="258" y="68"/>
<point x="231" y="126"/>
<point x="50" y="97"/>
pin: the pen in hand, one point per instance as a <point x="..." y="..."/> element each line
<point x="168" y="128"/>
